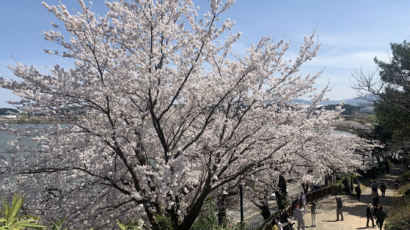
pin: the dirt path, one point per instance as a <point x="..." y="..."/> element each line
<point x="354" y="212"/>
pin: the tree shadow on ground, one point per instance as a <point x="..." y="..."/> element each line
<point x="359" y="208"/>
<point x="363" y="228"/>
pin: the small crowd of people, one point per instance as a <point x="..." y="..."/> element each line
<point x="374" y="211"/>
<point x="299" y="207"/>
<point x="378" y="213"/>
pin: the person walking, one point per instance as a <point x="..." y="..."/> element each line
<point x="376" y="200"/>
<point x="376" y="214"/>
<point x="313" y="213"/>
<point x="369" y="215"/>
<point x="358" y="192"/>
<point x="339" y="208"/>
<point x="302" y="202"/>
<point x="381" y="217"/>
<point x="298" y="214"/>
<point x="383" y="189"/>
<point x="374" y="189"/>
<point x="387" y="166"/>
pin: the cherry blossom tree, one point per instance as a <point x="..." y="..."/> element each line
<point x="155" y="113"/>
<point x="316" y="150"/>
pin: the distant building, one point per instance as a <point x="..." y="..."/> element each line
<point x="10" y="115"/>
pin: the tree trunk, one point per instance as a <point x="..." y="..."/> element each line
<point x="280" y="200"/>
<point x="265" y="212"/>
<point x="282" y="184"/>
<point x="305" y="187"/>
<point x="222" y="211"/>
<point x="378" y="161"/>
<point x="194" y="210"/>
<point x="328" y="179"/>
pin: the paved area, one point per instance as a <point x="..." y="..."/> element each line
<point x="354" y="212"/>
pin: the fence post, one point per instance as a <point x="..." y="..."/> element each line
<point x="241" y="202"/>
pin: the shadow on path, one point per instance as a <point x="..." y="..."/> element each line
<point x="329" y="220"/>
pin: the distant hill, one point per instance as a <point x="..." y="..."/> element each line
<point x="352" y="101"/>
<point x="8" y="111"/>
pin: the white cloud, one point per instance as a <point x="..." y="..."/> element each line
<point x="350" y="40"/>
<point x="350" y="60"/>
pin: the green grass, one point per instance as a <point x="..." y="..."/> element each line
<point x="399" y="213"/>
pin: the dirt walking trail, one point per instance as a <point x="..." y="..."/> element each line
<point x="354" y="212"/>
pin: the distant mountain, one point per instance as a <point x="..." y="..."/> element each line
<point x="301" y="101"/>
<point x="352" y="101"/>
<point x="8" y="111"/>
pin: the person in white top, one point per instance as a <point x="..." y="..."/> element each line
<point x="298" y="214"/>
<point x="303" y="201"/>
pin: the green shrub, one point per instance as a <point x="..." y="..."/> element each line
<point x="164" y="222"/>
<point x="337" y="188"/>
<point x="281" y="200"/>
<point x="131" y="225"/>
<point x="10" y="218"/>
<point x="405" y="177"/>
<point x="399" y="214"/>
<point x="58" y="225"/>
<point x="208" y="220"/>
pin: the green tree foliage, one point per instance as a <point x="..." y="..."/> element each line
<point x="4" y="111"/>
<point x="389" y="90"/>
<point x="393" y="106"/>
<point x="131" y="225"/>
<point x="348" y="109"/>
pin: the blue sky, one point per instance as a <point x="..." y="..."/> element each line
<point x="351" y="33"/>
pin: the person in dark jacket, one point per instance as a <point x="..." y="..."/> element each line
<point x="376" y="214"/>
<point x="369" y="216"/>
<point x="387" y="166"/>
<point x="339" y="208"/>
<point x="383" y="189"/>
<point x="376" y="200"/>
<point x="358" y="192"/>
<point x="381" y="216"/>
<point x="374" y="189"/>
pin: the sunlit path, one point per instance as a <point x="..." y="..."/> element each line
<point x="354" y="212"/>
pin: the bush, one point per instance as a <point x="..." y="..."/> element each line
<point x="10" y="218"/>
<point x="281" y="200"/>
<point x="337" y="188"/>
<point x="164" y="222"/>
<point x="399" y="214"/>
<point x="404" y="178"/>
<point x="207" y="219"/>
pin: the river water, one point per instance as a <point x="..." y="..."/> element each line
<point x="24" y="142"/>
